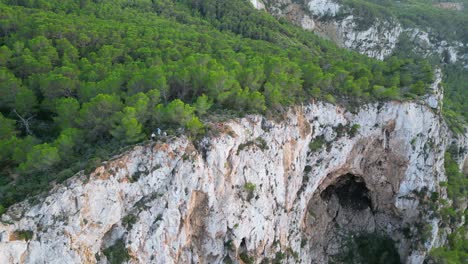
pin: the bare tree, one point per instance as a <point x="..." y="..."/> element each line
<point x="25" y="121"/>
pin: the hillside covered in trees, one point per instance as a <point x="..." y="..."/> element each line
<point x="444" y="21"/>
<point x="81" y="79"/>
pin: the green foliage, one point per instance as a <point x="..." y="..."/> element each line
<point x="41" y="158"/>
<point x="146" y="80"/>
<point x="457" y="182"/>
<point x="24" y="234"/>
<point x="117" y="253"/>
<point x="330" y="98"/>
<point x="195" y="127"/>
<point x="455" y="251"/>
<point x="446" y="24"/>
<point x="175" y="113"/>
<point x="88" y="77"/>
<point x="317" y="144"/>
<point x="368" y="248"/>
<point x="279" y="258"/>
<point x="66" y="142"/>
<point x="129" y="220"/>
<point x="67" y="110"/>
<point x="142" y="104"/>
<point x="442" y="25"/>
<point x="418" y="88"/>
<point x="259" y="142"/>
<point x="244" y="256"/>
<point x="96" y="115"/>
<point x="7" y="129"/>
<point x="126" y="127"/>
<point x="23" y="147"/>
<point x="249" y="187"/>
<point x="426" y="233"/>
<point x="202" y="105"/>
<point x="178" y="114"/>
<point x="25" y="102"/>
<point x="455" y="108"/>
<point x="354" y="129"/>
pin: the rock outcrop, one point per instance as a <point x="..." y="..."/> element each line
<point x="291" y="190"/>
<point x="372" y="36"/>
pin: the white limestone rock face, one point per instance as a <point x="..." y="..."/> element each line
<point x="288" y="9"/>
<point x="307" y="23"/>
<point x="258" y="4"/>
<point x="428" y="44"/>
<point x="435" y="96"/>
<point x="326" y="18"/>
<point x="377" y="41"/>
<point x="249" y="190"/>
<point x="323" y="7"/>
<point x="377" y="38"/>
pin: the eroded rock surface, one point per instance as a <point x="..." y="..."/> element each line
<point x="257" y="191"/>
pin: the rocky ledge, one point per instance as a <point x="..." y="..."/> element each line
<point x="293" y="190"/>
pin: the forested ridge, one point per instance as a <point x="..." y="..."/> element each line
<point x="442" y="25"/>
<point x="446" y="24"/>
<point x="81" y="79"/>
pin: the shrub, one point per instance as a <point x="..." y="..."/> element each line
<point x="259" y="142"/>
<point x="117" y="253"/>
<point x="249" y="187"/>
<point x="24" y="234"/>
<point x="244" y="146"/>
<point x="330" y="98"/>
<point x="279" y="258"/>
<point x="369" y="248"/>
<point x="246" y="258"/>
<point x="317" y="144"/>
<point x="354" y="129"/>
<point x="129" y="220"/>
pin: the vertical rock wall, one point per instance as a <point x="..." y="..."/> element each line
<point x="258" y="191"/>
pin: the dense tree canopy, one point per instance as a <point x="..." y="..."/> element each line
<point x="443" y="25"/>
<point x="80" y="79"/>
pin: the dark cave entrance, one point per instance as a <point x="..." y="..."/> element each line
<point x="346" y="223"/>
<point x="351" y="192"/>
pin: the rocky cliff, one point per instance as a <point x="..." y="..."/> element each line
<point x="294" y="190"/>
<point x="375" y="37"/>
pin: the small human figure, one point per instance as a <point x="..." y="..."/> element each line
<point x="164" y="133"/>
<point x="153" y="136"/>
<point x="158" y="130"/>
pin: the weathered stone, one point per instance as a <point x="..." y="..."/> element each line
<point x="193" y="205"/>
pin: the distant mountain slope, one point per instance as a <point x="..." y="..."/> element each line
<point x="380" y="29"/>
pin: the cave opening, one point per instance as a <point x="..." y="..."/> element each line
<point x="351" y="192"/>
